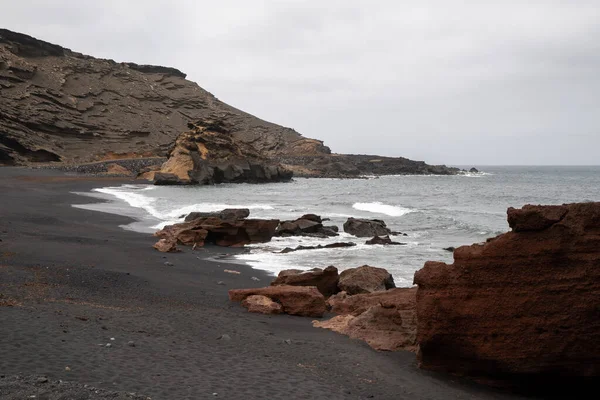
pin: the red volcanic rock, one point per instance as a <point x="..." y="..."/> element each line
<point x="262" y="305"/>
<point x="230" y="233"/>
<point x="365" y="279"/>
<point x="305" y="301"/>
<point x="535" y="218"/>
<point x="385" y="320"/>
<point x="326" y="280"/>
<point x="523" y="305"/>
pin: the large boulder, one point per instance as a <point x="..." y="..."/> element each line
<point x="226" y="214"/>
<point x="305" y="301"/>
<point x="365" y="279"/>
<point x="385" y="320"/>
<point x="326" y="280"/>
<point x="228" y="233"/>
<point x="522" y="306"/>
<point x="366" y="227"/>
<point x="384" y="240"/>
<point x="306" y="225"/>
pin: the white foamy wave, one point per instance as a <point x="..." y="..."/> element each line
<point x="475" y="174"/>
<point x="132" y="198"/>
<point x="380" y="208"/>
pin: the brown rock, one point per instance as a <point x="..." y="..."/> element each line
<point x="535" y="218"/>
<point x="325" y="280"/>
<point x="365" y="279"/>
<point x="166" y="246"/>
<point x="342" y="303"/>
<point x="262" y="305"/>
<point x="190" y="237"/>
<point x="524" y="305"/>
<point x="366" y="227"/>
<point x="296" y="300"/>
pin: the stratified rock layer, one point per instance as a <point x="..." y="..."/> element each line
<point x="525" y="305"/>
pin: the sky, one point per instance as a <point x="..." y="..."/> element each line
<point x="447" y="82"/>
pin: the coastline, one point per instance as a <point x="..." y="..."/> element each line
<point x="74" y="280"/>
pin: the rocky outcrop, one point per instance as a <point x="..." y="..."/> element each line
<point x="229" y="233"/>
<point x="365" y="279"/>
<point x="305" y="301"/>
<point x="63" y="106"/>
<point x="325" y="280"/>
<point x="385" y="320"/>
<point x="366" y="227"/>
<point x="226" y="214"/>
<point x="209" y="154"/>
<point x="523" y="306"/>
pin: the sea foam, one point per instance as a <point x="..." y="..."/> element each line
<point x="380" y="208"/>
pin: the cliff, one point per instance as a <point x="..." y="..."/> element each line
<point x="61" y="106"/>
<point x="523" y="307"/>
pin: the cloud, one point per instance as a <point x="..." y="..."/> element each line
<point x="453" y="82"/>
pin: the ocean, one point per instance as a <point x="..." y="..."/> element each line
<point x="433" y="211"/>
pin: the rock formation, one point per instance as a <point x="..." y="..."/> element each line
<point x="63" y="106"/>
<point x="325" y="280"/>
<point x="229" y="233"/>
<point x="365" y="279"/>
<point x="335" y="245"/>
<point x="366" y="227"/>
<point x="385" y="240"/>
<point x="208" y="154"/>
<point x="521" y="307"/>
<point x="304" y="301"/>
<point x="385" y="320"/>
<point x="307" y="225"/>
<point x="262" y="305"/>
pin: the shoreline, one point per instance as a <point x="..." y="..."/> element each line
<point x="75" y="280"/>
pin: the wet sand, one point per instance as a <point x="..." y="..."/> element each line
<point x="84" y="301"/>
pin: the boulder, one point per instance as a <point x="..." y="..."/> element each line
<point x="521" y="307"/>
<point x="474" y="170"/>
<point x="167" y="179"/>
<point x="305" y="301"/>
<point x="326" y="280"/>
<point x="342" y="303"/>
<point x="385" y="240"/>
<point x="228" y="233"/>
<point x="366" y="227"/>
<point x="116" y="169"/>
<point x="307" y="225"/>
<point x="365" y="279"/>
<point x="262" y="305"/>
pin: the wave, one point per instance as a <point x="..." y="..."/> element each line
<point x="132" y="198"/>
<point x="380" y="208"/>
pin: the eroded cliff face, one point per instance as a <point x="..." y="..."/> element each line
<point x="524" y="306"/>
<point x="58" y="105"/>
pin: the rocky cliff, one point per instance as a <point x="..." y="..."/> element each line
<point x="61" y="106"/>
<point x="524" y="307"/>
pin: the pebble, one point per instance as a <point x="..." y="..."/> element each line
<point x="255" y="278"/>
<point x="168" y="263"/>
<point x="131" y="343"/>
<point x="220" y="283"/>
<point x="108" y="345"/>
<point x="42" y="379"/>
<point x="112" y="338"/>
<point x="224" y="337"/>
<point x="231" y="271"/>
<point x="287" y="341"/>
<point x="67" y="369"/>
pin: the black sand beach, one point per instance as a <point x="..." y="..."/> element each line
<point x="86" y="302"/>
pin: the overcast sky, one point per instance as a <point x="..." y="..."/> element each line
<point x="454" y="82"/>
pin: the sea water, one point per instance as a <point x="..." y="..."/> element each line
<point x="434" y="212"/>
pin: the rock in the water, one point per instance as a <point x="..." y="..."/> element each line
<point x="366" y="227"/>
<point x="167" y="179"/>
<point x="326" y="280"/>
<point x="229" y="233"/>
<point x="365" y="279"/>
<point x="385" y="320"/>
<point x="320" y="246"/>
<point x="226" y="214"/>
<point x="474" y="170"/>
<point x="296" y="300"/>
<point x="261" y="304"/>
<point x="450" y="249"/>
<point x="385" y="240"/>
<point x="523" y="305"/>
<point x="307" y="225"/>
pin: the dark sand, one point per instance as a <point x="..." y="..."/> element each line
<point x="71" y="279"/>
